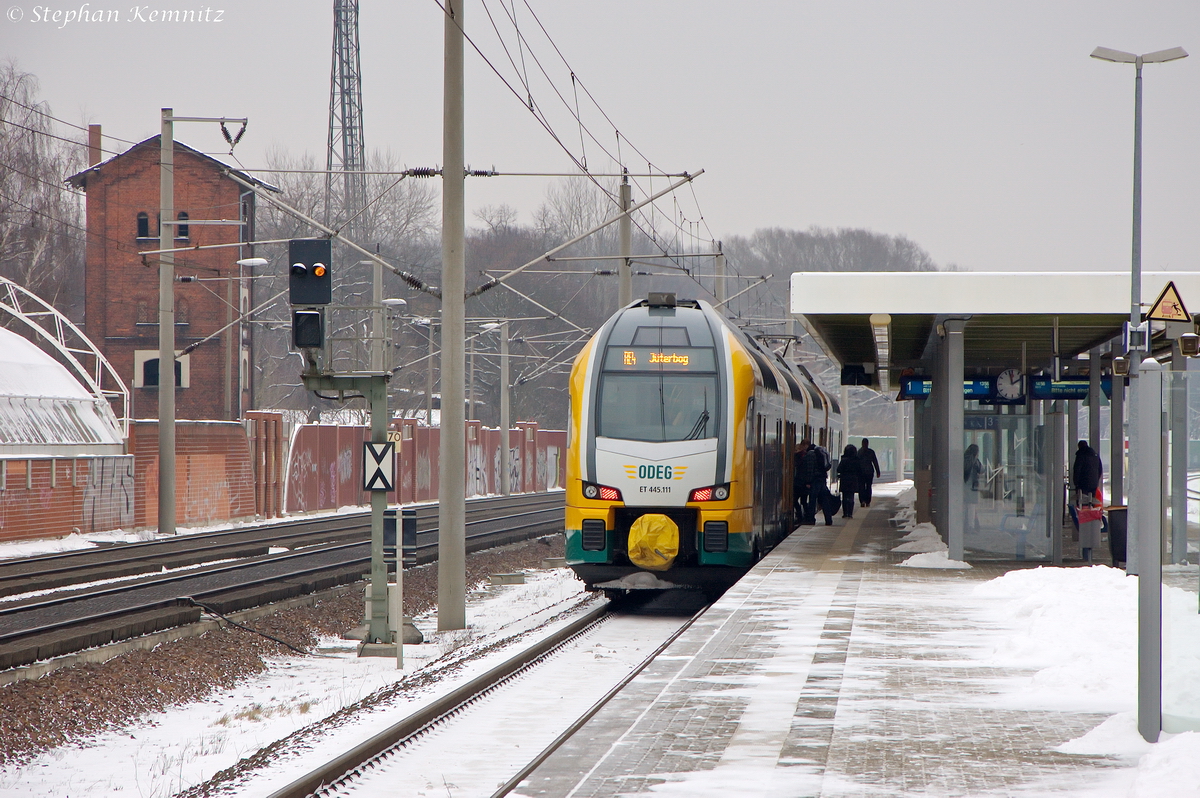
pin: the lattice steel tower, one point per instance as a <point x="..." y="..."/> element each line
<point x="346" y="152"/>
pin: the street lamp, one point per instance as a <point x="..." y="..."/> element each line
<point x="1143" y="512"/>
<point x="1121" y="57"/>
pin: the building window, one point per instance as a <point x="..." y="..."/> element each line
<point x="145" y="369"/>
<point x="181" y="230"/>
<point x="143" y="225"/>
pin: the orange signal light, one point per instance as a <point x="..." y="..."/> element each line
<point x="319" y="270"/>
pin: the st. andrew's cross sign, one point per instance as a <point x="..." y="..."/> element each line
<point x="379" y="466"/>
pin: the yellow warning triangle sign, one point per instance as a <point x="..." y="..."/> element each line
<point x="1169" y="306"/>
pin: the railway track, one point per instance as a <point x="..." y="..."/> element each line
<point x="417" y="749"/>
<point x="322" y="554"/>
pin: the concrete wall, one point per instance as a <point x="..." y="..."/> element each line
<point x="325" y="463"/>
<point x="53" y="497"/>
<point x="214" y="475"/>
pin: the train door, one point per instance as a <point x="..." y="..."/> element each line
<point x="760" y="429"/>
<point x="789" y="477"/>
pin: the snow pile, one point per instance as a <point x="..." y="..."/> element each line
<point x="1171" y="768"/>
<point x="1077" y="627"/>
<point x="1181" y="660"/>
<point x="934" y="559"/>
<point x="931" y="552"/>
<point x="922" y="538"/>
<point x="906" y="512"/>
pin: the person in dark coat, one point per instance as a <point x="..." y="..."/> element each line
<point x="799" y="486"/>
<point x="1086" y="473"/>
<point x="868" y="464"/>
<point x="849" y="474"/>
<point x="811" y="473"/>
<point x="1087" y="469"/>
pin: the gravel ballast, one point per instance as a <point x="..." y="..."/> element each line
<point x="71" y="704"/>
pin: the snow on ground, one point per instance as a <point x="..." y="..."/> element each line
<point x="1078" y="628"/>
<point x="1067" y="634"/>
<point x="170" y="751"/>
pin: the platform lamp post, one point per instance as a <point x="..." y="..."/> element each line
<point x="166" y="315"/>
<point x="1143" y="514"/>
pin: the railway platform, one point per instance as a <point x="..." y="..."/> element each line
<point x="830" y="670"/>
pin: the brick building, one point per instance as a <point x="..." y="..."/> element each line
<point x="121" y="305"/>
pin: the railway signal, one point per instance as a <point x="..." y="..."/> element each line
<point x="309" y="280"/>
<point x="310" y="285"/>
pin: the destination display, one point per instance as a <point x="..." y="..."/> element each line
<point x="982" y="390"/>
<point x="1066" y="388"/>
<point x="917" y="387"/>
<point x="648" y="358"/>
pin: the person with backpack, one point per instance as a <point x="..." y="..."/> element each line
<point x="868" y="465"/>
<point x="849" y="473"/>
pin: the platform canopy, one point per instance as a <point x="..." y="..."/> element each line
<point x="45" y="411"/>
<point x="886" y="319"/>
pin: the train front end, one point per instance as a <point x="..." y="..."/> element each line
<point x="653" y="495"/>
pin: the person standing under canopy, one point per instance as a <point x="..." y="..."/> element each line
<point x="868" y="464"/>
<point x="1086" y="472"/>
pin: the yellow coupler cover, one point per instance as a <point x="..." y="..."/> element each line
<point x="653" y="542"/>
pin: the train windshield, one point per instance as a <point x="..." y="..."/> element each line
<point x="658" y="407"/>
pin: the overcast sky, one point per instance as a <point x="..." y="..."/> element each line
<point x="981" y="130"/>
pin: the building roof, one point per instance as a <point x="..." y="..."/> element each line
<point x="45" y="411"/>
<point x="79" y="179"/>
<point x="1013" y="316"/>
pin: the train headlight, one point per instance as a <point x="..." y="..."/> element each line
<point x="601" y="492"/>
<point x="713" y="493"/>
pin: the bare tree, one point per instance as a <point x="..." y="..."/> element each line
<point x="399" y="222"/>
<point x="42" y="234"/>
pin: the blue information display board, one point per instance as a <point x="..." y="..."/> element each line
<point x="919" y="387"/>
<point x="1066" y="388"/>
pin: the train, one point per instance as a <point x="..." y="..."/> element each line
<point x="679" y="449"/>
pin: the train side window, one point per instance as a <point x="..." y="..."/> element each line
<point x="750" y="426"/>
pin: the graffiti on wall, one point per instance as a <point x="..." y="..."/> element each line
<point x="476" y="471"/>
<point x="108" y="495"/>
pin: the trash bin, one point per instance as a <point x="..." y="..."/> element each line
<point x="1118" y="528"/>
<point x="408" y="535"/>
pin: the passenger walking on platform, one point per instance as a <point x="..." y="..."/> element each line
<point x="827" y="501"/>
<point x="814" y="465"/>
<point x="869" y="465"/>
<point x="849" y="473"/>
<point x="1086" y="473"/>
<point x="799" y="487"/>
<point x="972" y="468"/>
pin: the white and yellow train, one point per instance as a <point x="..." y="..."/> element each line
<point x="679" y="454"/>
